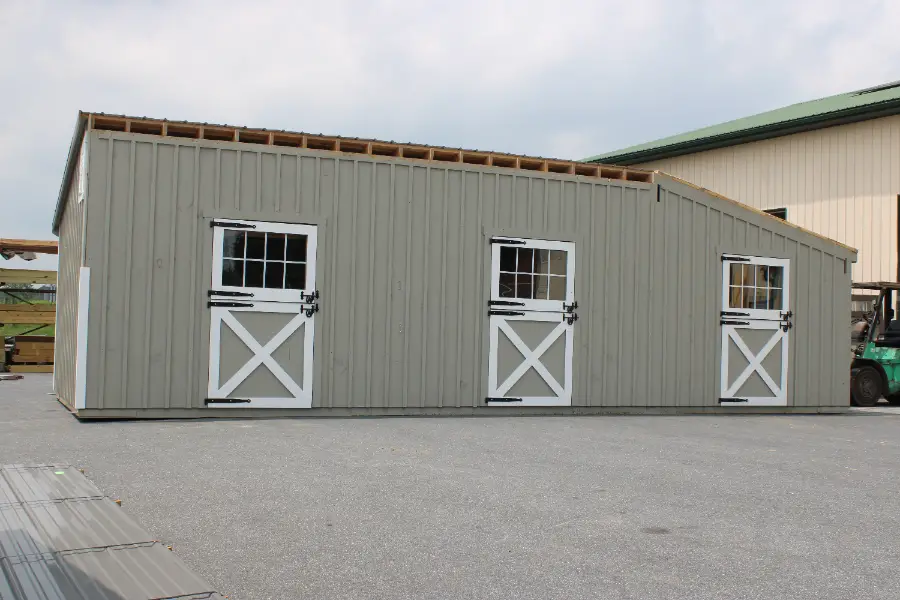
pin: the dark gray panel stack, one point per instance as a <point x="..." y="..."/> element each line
<point x="61" y="538"/>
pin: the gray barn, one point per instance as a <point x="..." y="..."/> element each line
<point x="222" y="271"/>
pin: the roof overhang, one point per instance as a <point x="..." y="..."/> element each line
<point x="820" y="121"/>
<point x="71" y="162"/>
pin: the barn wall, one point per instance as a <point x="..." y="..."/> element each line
<point x="841" y="182"/>
<point x="402" y="268"/>
<point x="71" y="239"/>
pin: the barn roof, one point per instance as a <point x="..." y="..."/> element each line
<point x="860" y="105"/>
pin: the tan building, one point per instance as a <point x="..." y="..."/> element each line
<point x="830" y="165"/>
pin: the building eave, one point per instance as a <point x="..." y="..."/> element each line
<point x="774" y="130"/>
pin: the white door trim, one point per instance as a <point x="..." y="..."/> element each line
<point x="531" y="358"/>
<point x="755" y="313"/>
<point x="730" y="388"/>
<point x="532" y="304"/>
<point x="262" y="356"/>
<point x="266" y="294"/>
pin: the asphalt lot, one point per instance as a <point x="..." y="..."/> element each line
<point x="525" y="508"/>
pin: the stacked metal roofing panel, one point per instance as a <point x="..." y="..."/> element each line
<point x="60" y="538"/>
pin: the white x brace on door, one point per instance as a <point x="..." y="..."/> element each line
<point x="756" y="325"/>
<point x="531" y="322"/>
<point x="262" y="304"/>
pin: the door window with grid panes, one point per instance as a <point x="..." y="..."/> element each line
<point x="755" y="286"/>
<point x="272" y="260"/>
<point x="535" y="274"/>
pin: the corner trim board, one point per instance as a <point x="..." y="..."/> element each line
<point x="81" y="339"/>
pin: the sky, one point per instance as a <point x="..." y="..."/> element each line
<point x="563" y="80"/>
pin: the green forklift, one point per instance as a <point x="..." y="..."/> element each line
<point x="875" y="344"/>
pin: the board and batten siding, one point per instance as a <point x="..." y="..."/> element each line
<point x="71" y="244"/>
<point x="403" y="261"/>
<point x="841" y="182"/>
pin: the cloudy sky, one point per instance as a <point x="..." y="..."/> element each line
<point x="554" y="79"/>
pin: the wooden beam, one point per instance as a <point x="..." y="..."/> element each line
<point x="26" y="276"/>
<point x="29" y="314"/>
<point x="39" y="246"/>
<point x="30" y="368"/>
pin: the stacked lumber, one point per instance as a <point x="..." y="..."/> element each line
<point x="32" y="354"/>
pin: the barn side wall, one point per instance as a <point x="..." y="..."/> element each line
<point x="402" y="271"/>
<point x="71" y="240"/>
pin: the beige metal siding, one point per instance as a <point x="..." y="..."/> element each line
<point x="71" y="240"/>
<point x="841" y="182"/>
<point x="402" y="267"/>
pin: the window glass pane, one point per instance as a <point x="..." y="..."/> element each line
<point x="274" y="275"/>
<point x="735" y="299"/>
<point x="233" y="272"/>
<point x="253" y="275"/>
<point x="762" y="276"/>
<point x="557" y="288"/>
<point x="295" y="276"/>
<point x="762" y="298"/>
<point x="541" y="285"/>
<point x="775" y="298"/>
<point x="524" y="286"/>
<point x="736" y="274"/>
<point x="296" y="247"/>
<point x="274" y="246"/>
<point x="507" y="258"/>
<point x="256" y="245"/>
<point x="776" y="277"/>
<point x="507" y="285"/>
<point x="749" y="297"/>
<point x="541" y="261"/>
<point x="558" y="262"/>
<point x="233" y="243"/>
<point x="526" y="262"/>
<point x="749" y="275"/>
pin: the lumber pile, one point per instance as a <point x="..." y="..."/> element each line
<point x="32" y="354"/>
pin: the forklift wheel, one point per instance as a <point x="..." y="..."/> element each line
<point x="865" y="386"/>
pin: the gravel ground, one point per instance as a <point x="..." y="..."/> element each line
<point x="525" y="508"/>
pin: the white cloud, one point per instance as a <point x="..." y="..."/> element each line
<point x="566" y="79"/>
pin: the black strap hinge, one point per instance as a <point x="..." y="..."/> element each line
<point x="226" y="401"/>
<point x="731" y="313"/>
<point x="506" y="313"/>
<point x="724" y="322"/>
<point x="232" y="224"/>
<point x="489" y="399"/>
<point x="507" y="241"/>
<point x="735" y="258"/>
<point x="504" y="303"/>
<point x="212" y="293"/>
<point x="732" y="400"/>
<point x="212" y="303"/>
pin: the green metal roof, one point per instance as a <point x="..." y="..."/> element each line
<point x="869" y="103"/>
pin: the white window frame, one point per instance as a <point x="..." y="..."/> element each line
<point x="259" y="293"/>
<point x="755" y="313"/>
<point x="537" y="244"/>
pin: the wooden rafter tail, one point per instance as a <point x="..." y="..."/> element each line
<point x="246" y="135"/>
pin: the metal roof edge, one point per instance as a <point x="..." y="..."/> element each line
<point x="753" y="134"/>
<point x="851" y="251"/>
<point x="69" y="169"/>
